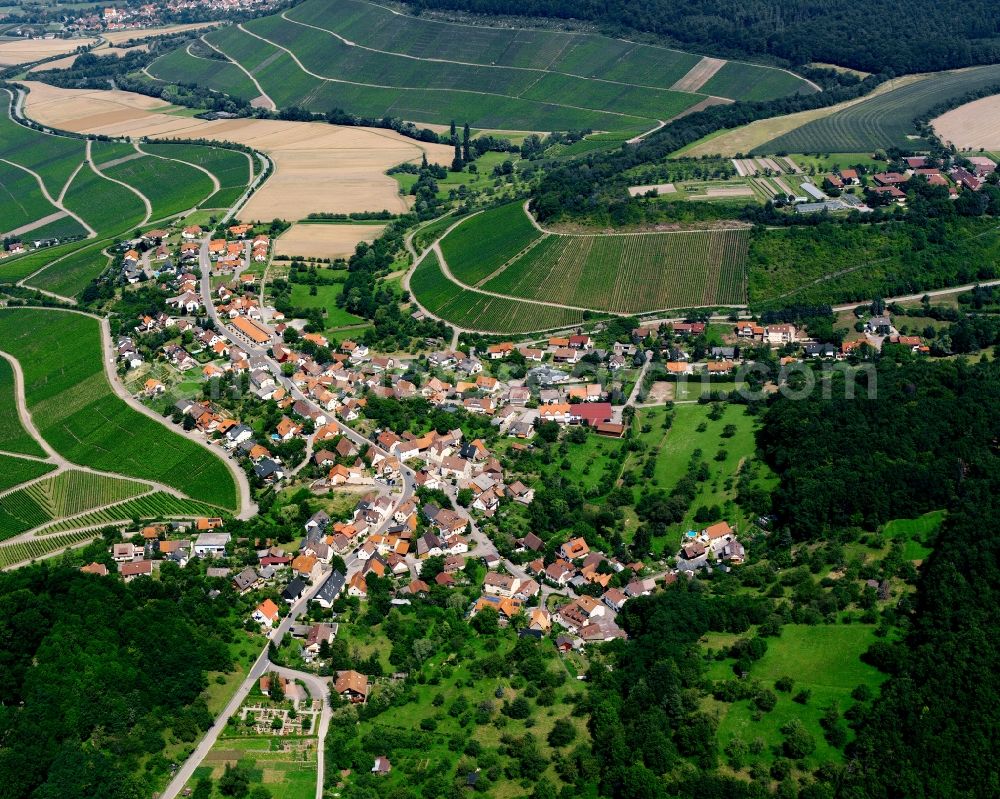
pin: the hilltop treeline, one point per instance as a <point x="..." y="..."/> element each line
<point x="877" y="36"/>
<point x="595" y="185"/>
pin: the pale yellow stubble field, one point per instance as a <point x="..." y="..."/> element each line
<point x="318" y="167"/>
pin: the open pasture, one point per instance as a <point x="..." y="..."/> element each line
<point x="77" y="412"/>
<point x="825" y="659"/>
<point x="474" y="310"/>
<point x="885" y="120"/>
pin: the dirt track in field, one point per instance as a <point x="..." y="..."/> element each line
<point x="699" y="75"/>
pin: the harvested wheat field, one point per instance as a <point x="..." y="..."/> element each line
<point x="318" y="167"/>
<point x="117" y="37"/>
<point x="324" y="241"/>
<point x="973" y="125"/>
<point x="23" y="50"/>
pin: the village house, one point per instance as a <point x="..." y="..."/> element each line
<point x="351" y="686"/>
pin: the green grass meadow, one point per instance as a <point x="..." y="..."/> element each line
<point x="824" y="659"/>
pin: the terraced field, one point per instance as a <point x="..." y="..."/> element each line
<point x="21" y="202"/>
<point x="182" y="66"/>
<point x="40" y="547"/>
<point x="230" y="167"/>
<point x="476" y="311"/>
<point x="482" y="244"/>
<point x="77" y="412"/>
<point x="885" y="120"/>
<point x="152" y="506"/>
<point x="70" y="275"/>
<point x="65" y="494"/>
<point x="53" y="157"/>
<point x="631" y="273"/>
<point x="14" y="471"/>
<point x="370" y="61"/>
<point x="501" y="251"/>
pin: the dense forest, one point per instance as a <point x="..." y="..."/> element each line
<point x="927" y="441"/>
<point x="94" y="674"/>
<point x="879" y="36"/>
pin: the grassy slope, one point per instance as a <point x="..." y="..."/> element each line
<point x="822" y="658"/>
<point x="77" y="412"/>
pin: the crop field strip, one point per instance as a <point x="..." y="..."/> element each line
<point x="14" y="471"/>
<point x="13" y="436"/>
<point x="66" y="494"/>
<point x="156" y="505"/>
<point x="79" y="415"/>
<point x="40" y="547"/>
<point x="363" y="58"/>
<point x="883" y="121"/>
<point x="501" y="251"/>
<point x="474" y="310"/>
